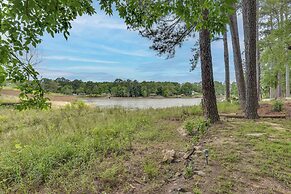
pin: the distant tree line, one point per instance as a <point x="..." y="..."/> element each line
<point x="127" y="88"/>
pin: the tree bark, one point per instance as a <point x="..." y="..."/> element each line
<point x="287" y="80"/>
<point x="251" y="75"/>
<point x="272" y="93"/>
<point x="258" y="57"/>
<point x="208" y="90"/>
<point x="226" y="65"/>
<point x="238" y="66"/>
<point x="279" y="86"/>
<point x="246" y="35"/>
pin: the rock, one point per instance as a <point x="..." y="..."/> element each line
<point x="179" y="190"/>
<point x="255" y="134"/>
<point x="199" y="173"/>
<point x="182" y="131"/>
<point x="169" y="155"/>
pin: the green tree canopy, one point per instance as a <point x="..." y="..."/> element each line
<point x="22" y="24"/>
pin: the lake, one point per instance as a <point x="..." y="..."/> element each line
<point x="143" y="103"/>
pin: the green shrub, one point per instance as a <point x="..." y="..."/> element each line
<point x="277" y="105"/>
<point x="196" y="127"/>
<point x="77" y="105"/>
<point x="189" y="171"/>
<point x="150" y="169"/>
<point x="109" y="175"/>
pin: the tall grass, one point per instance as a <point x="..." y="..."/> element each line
<point x="40" y="149"/>
<point x="228" y="107"/>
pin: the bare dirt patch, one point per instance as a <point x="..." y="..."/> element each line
<point x="237" y="161"/>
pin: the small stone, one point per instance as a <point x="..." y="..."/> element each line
<point x="169" y="155"/>
<point x="255" y="134"/>
<point x="199" y="173"/>
<point x="181" y="190"/>
<point x="182" y="131"/>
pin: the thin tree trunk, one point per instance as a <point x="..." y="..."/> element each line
<point x="272" y="93"/>
<point x="258" y="57"/>
<point x="251" y="90"/>
<point x="246" y="35"/>
<point x="287" y="80"/>
<point x="279" y="86"/>
<point x="238" y="66"/>
<point x="226" y="65"/>
<point x="258" y="75"/>
<point x="208" y="90"/>
<point x="272" y="90"/>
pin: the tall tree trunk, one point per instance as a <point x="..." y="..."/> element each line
<point x="272" y="90"/>
<point x="238" y="66"/>
<point x="226" y="65"/>
<point x="287" y="80"/>
<point x="279" y="86"/>
<point x="208" y="90"/>
<point x="271" y="93"/>
<point x="258" y="57"/>
<point x="251" y="75"/>
<point x="246" y="35"/>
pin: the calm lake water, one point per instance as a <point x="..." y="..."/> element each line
<point x="143" y="103"/>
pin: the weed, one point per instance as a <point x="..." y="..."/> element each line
<point x="110" y="175"/>
<point x="150" y="169"/>
<point x="196" y="190"/>
<point x="196" y="127"/>
<point x="277" y="106"/>
<point x="189" y="171"/>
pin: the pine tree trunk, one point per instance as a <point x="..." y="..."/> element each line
<point x="272" y="93"/>
<point x="251" y="75"/>
<point x="238" y="66"/>
<point x="226" y="65"/>
<point x="279" y="86"/>
<point x="246" y="35"/>
<point x="258" y="57"/>
<point x="208" y="90"/>
<point x="287" y="80"/>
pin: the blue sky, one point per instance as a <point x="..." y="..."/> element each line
<point x="100" y="48"/>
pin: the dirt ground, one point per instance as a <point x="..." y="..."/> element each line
<point x="237" y="160"/>
<point x="57" y="99"/>
<point x="266" y="109"/>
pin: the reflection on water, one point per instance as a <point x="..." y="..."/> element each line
<point x="143" y="103"/>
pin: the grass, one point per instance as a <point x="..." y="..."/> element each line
<point x="78" y="149"/>
<point x="49" y="150"/>
<point x="227" y="107"/>
<point x="260" y="150"/>
<point x="4" y="99"/>
<point x="150" y="169"/>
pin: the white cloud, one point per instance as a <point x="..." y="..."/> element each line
<point x="78" y="59"/>
<point x="98" y="21"/>
<point x="136" y="53"/>
<point x="92" y="69"/>
<point x="53" y="73"/>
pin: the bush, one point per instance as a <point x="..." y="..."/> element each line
<point x="150" y="169"/>
<point x="277" y="106"/>
<point x="77" y="105"/>
<point x="196" y="127"/>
